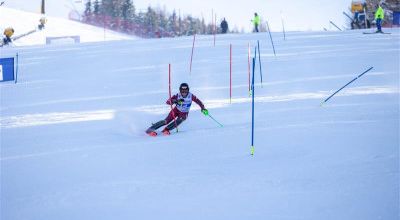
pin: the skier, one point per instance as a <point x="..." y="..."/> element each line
<point x="8" y="32"/>
<point x="224" y="26"/>
<point x="256" y="21"/>
<point x="183" y="101"/>
<point x="379" y="15"/>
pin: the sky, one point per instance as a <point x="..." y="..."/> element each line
<point x="301" y="15"/>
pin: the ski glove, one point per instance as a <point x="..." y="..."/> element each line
<point x="205" y="112"/>
<point x="178" y="102"/>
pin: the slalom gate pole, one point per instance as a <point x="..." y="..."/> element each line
<point x="230" y="73"/>
<point x="270" y="36"/>
<point x="215" y="120"/>
<point x="365" y="19"/>
<point x="16" y="71"/>
<point x="283" y="28"/>
<point x="252" y="111"/>
<point x="170" y="96"/>
<point x="248" y="64"/>
<point x="215" y="27"/>
<point x="346" y="85"/>
<point x="259" y="61"/>
<point x="335" y="25"/>
<point x="191" y="57"/>
<point x="212" y="22"/>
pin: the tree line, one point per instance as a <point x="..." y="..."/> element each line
<point x="121" y="16"/>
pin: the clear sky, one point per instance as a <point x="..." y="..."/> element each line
<point x="297" y="14"/>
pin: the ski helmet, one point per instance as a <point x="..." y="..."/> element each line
<point x="184" y="87"/>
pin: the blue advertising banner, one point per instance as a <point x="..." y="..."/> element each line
<point x="6" y="69"/>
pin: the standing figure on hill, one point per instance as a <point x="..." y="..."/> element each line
<point x="256" y="21"/>
<point x="8" y="32"/>
<point x="42" y="22"/>
<point x="379" y="15"/>
<point x="224" y="26"/>
<point x="182" y="101"/>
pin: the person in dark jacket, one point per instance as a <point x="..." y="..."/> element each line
<point x="182" y="101"/>
<point x="224" y="26"/>
<point x="8" y="32"/>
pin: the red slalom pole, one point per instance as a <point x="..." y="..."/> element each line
<point x="191" y="57"/>
<point x="215" y="27"/>
<point x="230" y="72"/>
<point x="170" y="96"/>
<point x="248" y="63"/>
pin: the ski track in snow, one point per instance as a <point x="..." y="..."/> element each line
<point x="69" y="117"/>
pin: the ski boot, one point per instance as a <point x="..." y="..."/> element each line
<point x="151" y="132"/>
<point x="166" y="132"/>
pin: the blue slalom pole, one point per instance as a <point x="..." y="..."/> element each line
<point x="346" y="85"/>
<point x="252" y="111"/>
<point x="270" y="36"/>
<point x="259" y="60"/>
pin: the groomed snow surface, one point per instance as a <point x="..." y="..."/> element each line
<point x="73" y="144"/>
<point x="24" y="22"/>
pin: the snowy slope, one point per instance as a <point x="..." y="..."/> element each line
<point x="73" y="143"/>
<point x="23" y="22"/>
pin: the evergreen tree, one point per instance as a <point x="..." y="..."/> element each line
<point x="120" y="15"/>
<point x="96" y="8"/>
<point x="128" y="10"/>
<point x="151" y="20"/>
<point x="88" y="8"/>
<point x="127" y="14"/>
<point x="87" y="15"/>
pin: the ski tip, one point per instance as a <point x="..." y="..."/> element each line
<point x="152" y="133"/>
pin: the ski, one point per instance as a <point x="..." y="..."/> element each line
<point x="376" y="33"/>
<point x="155" y="134"/>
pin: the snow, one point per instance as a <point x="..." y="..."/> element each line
<point x="73" y="144"/>
<point x="23" y="22"/>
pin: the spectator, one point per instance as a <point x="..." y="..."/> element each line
<point x="224" y="26"/>
<point x="256" y="21"/>
<point x="379" y="15"/>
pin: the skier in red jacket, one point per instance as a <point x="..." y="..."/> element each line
<point x="183" y="101"/>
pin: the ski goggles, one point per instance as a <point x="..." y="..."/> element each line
<point x="184" y="89"/>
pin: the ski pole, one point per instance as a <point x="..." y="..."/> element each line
<point x="215" y="120"/>
<point x="346" y="85"/>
